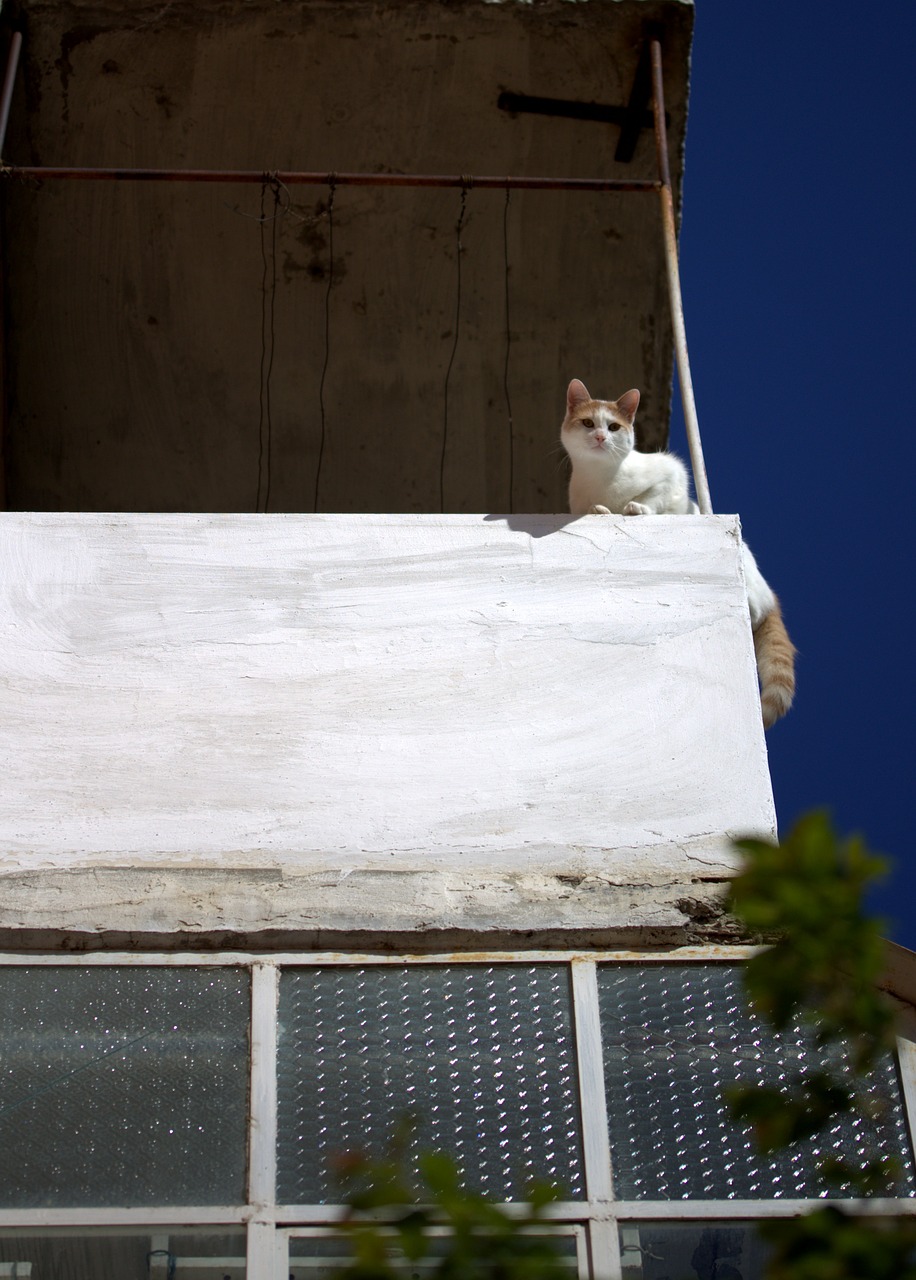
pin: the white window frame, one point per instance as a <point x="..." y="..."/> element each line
<point x="595" y="1218"/>
<point x="574" y="1231"/>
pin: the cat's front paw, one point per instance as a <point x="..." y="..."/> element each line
<point x="598" y="510"/>
<point x="637" y="509"/>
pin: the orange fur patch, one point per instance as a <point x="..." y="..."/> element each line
<point x="588" y="407"/>
<point x="775" y="666"/>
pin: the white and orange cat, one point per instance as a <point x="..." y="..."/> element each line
<point x="609" y="477"/>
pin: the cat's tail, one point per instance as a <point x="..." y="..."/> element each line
<point x="775" y="665"/>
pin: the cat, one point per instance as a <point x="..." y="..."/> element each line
<point x="609" y="477"/>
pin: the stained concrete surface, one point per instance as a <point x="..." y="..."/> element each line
<point x="168" y="351"/>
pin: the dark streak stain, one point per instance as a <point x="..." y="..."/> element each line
<point x="69" y="41"/>
<point x="312" y="235"/>
<point x="163" y="101"/>
<point x="317" y="270"/>
<point x="291" y="266"/>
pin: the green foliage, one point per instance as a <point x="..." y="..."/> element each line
<point x="832" y="1245"/>
<point x="808" y="891"/>
<point x="388" y="1231"/>
<point x="822" y="968"/>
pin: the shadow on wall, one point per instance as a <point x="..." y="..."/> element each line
<point x="535" y="526"/>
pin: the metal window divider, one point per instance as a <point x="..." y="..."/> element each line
<point x="596" y="1148"/>
<point x="906" y="1061"/>
<point x="262" y="1127"/>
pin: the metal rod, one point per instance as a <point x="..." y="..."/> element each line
<point x="700" y="482"/>
<point x="6" y="99"/>
<point x="290" y="178"/>
<point x="9" y="80"/>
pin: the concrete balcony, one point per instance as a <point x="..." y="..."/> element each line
<point x="413" y="731"/>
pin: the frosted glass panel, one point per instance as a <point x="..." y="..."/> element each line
<point x="692" y="1251"/>
<point x="674" y="1037"/>
<point x="123" y="1086"/>
<point x="481" y="1056"/>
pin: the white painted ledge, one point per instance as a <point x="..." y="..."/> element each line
<point x="461" y="700"/>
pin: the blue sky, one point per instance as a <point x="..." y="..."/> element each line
<point x="798" y="258"/>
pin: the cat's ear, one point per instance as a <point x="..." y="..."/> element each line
<point x="576" y="394"/>
<point x="628" y="403"/>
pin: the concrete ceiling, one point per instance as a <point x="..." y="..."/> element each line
<point x="168" y="350"/>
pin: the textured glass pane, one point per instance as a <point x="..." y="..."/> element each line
<point x="127" y="1257"/>
<point x="481" y="1057"/>
<point x="692" y="1251"/>
<point x="674" y="1038"/>
<point x="318" y="1257"/>
<point x="123" y="1086"/>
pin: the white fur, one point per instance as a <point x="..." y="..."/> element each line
<point x="760" y="598"/>
<point x="609" y="476"/>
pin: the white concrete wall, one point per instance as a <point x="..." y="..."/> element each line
<point x="372" y="721"/>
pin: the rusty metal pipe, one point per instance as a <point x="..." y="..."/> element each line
<point x="290" y="178"/>
<point x="9" y="81"/>
<point x="700" y="482"/>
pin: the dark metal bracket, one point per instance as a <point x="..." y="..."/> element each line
<point x="631" y="119"/>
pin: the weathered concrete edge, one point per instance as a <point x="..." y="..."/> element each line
<point x="141" y="909"/>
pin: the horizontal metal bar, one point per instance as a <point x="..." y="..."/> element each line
<point x="677" y="955"/>
<point x="322" y="1215"/>
<point x="562" y="1229"/>
<point x="693" y="1210"/>
<point x="290" y="177"/>
<point x="172" y="1216"/>
<point x="641" y="1210"/>
<point x="97" y="1220"/>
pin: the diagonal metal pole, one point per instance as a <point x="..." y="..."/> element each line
<point x="6" y="99"/>
<point x="700" y="482"/>
<point x="9" y="80"/>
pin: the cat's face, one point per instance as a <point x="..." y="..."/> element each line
<point x="598" y="429"/>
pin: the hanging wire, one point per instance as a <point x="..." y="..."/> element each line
<point x="508" y="348"/>
<point x="257" y="505"/>
<point x="273" y="307"/>
<point x="332" y="184"/>
<point x="459" y="225"/>
<point x="284" y="207"/>
<point x="268" y="330"/>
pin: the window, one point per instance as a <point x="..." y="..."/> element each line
<point x="180" y="1113"/>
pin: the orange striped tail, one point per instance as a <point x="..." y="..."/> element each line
<point x="775" y="666"/>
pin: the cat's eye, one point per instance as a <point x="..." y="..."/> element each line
<point x="613" y="426"/>
<point x="587" y="423"/>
